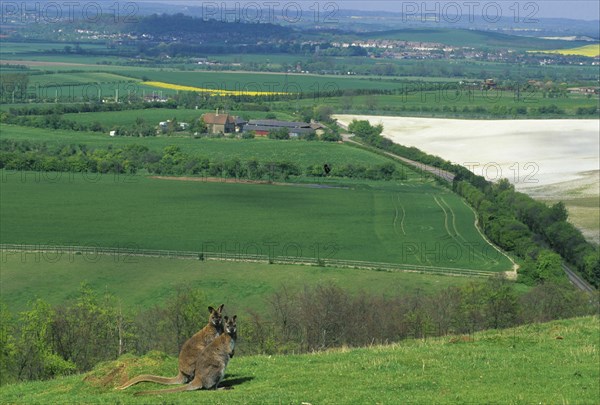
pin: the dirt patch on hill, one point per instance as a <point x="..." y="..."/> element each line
<point x="244" y="181"/>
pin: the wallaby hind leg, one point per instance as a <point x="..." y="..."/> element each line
<point x="179" y="379"/>
<point x="196" y="384"/>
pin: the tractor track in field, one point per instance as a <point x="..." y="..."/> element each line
<point x="403" y="217"/>
<point x="246" y="181"/>
<point x="397" y="214"/>
<point x="475" y="253"/>
<point x="445" y="218"/>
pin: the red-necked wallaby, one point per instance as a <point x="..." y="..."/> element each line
<point x="211" y="365"/>
<point x="190" y="352"/>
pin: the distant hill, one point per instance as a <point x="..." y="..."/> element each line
<point x="472" y="38"/>
<point x="183" y="25"/>
<point x="556" y="362"/>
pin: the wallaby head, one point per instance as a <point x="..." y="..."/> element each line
<point x="216" y="318"/>
<point x="230" y="325"/>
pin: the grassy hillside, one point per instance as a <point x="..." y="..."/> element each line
<point x="415" y="223"/>
<point x="555" y="362"/>
<point x="141" y="282"/>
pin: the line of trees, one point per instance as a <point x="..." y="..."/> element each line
<point x="512" y="220"/>
<point x="327" y="316"/>
<point x="59" y="109"/>
<point x="130" y="159"/>
<point x="46" y="341"/>
<point x="525" y="227"/>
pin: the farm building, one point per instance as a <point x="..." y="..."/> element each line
<point x="216" y="123"/>
<point x="263" y="127"/>
<point x="584" y="90"/>
<point x="239" y="124"/>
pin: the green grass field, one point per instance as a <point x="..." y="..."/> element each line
<point x="141" y="282"/>
<point x="303" y="153"/>
<point x="411" y="223"/>
<point x="524" y="365"/>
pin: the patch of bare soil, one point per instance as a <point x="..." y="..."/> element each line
<point x="243" y="181"/>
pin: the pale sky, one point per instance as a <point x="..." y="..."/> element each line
<point x="574" y="9"/>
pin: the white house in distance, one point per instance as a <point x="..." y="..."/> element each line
<point x="164" y="125"/>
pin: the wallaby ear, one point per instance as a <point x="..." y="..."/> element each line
<point x="211" y="309"/>
<point x="234" y="318"/>
<point x="226" y="318"/>
<point x="220" y="309"/>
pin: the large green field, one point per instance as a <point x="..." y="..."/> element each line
<point x="410" y="223"/>
<point x="131" y="78"/>
<point x="552" y="363"/>
<point x="141" y="282"/>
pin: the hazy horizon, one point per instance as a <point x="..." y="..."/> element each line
<point x="586" y="10"/>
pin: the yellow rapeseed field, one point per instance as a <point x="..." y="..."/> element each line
<point x="587" y="50"/>
<point x="214" y="92"/>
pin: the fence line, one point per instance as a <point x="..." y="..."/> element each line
<point x="219" y="256"/>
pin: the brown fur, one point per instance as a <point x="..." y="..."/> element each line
<point x="211" y="364"/>
<point x="189" y="354"/>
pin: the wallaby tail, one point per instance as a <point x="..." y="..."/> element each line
<point x="179" y="379"/>
<point x="188" y="387"/>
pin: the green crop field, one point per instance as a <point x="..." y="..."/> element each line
<point x="141" y="282"/>
<point x="551" y="363"/>
<point x="295" y="83"/>
<point x="81" y="85"/>
<point x="79" y="78"/>
<point x="451" y="100"/>
<point x="411" y="223"/>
